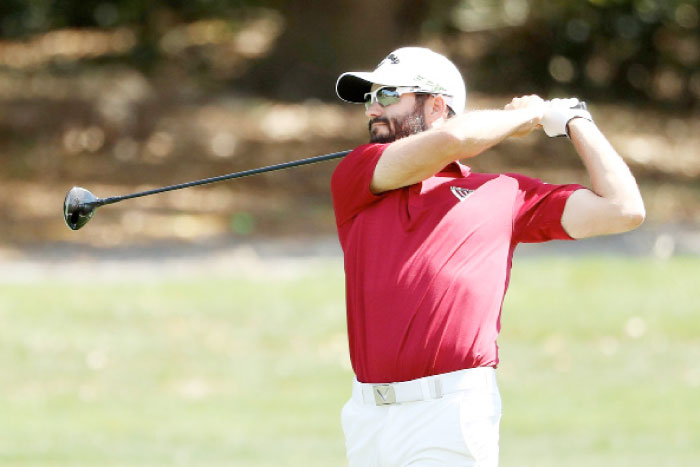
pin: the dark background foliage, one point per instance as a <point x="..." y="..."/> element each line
<point x="118" y="95"/>
<point x="643" y="50"/>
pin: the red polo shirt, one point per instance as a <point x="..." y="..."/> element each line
<point x="427" y="266"/>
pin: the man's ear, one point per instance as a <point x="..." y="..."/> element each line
<point x="437" y="108"/>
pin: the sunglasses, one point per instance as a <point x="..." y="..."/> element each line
<point x="388" y="95"/>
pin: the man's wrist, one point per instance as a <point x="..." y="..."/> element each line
<point x="527" y="120"/>
<point x="577" y="124"/>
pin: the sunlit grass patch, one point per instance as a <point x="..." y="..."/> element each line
<point x="599" y="366"/>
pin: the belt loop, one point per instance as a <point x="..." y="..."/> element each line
<point x="432" y="389"/>
<point x="438" y="388"/>
<point x="425" y="388"/>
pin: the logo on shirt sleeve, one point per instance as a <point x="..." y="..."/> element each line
<point x="461" y="193"/>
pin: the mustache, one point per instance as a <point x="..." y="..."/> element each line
<point x="377" y="120"/>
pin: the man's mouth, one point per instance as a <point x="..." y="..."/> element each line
<point x="380" y="130"/>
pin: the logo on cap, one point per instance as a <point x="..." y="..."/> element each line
<point x="391" y="58"/>
<point x="429" y="85"/>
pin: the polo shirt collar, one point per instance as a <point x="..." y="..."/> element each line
<point x="456" y="168"/>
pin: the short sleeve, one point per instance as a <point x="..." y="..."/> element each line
<point x="538" y="210"/>
<point x="350" y="182"/>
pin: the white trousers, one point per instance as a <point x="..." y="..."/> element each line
<point x="444" y="420"/>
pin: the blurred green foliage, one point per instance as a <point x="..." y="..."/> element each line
<point x="644" y="50"/>
<point x="614" y="49"/>
<point x="20" y="18"/>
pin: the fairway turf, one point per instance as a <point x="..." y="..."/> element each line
<point x="600" y="365"/>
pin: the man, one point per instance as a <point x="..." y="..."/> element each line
<point x="428" y="247"/>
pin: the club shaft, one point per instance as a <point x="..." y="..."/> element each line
<point x="221" y="178"/>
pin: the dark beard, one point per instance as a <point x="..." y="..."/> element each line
<point x="400" y="127"/>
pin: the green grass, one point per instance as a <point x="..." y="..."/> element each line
<point x="600" y="366"/>
<point x="601" y="363"/>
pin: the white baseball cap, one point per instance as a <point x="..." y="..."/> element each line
<point x="409" y="66"/>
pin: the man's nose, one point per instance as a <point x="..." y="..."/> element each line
<point x="374" y="110"/>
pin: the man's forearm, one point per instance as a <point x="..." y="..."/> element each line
<point x="610" y="176"/>
<point x="413" y="159"/>
<point x="616" y="204"/>
<point x="479" y="130"/>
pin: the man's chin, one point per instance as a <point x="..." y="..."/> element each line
<point x="379" y="135"/>
<point x="382" y="138"/>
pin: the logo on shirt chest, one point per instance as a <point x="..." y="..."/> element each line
<point x="461" y="193"/>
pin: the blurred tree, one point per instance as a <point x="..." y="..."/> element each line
<point x="323" y="39"/>
<point x="610" y="49"/>
<point x="647" y="50"/>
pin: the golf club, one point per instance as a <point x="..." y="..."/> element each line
<point x="80" y="205"/>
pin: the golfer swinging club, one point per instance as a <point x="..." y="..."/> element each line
<point x="428" y="246"/>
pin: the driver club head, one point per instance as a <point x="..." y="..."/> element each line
<point x="79" y="207"/>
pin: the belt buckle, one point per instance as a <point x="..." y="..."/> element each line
<point x="384" y="394"/>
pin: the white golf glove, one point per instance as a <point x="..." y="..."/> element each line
<point x="560" y="112"/>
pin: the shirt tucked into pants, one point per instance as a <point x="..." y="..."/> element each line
<point x="457" y="425"/>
